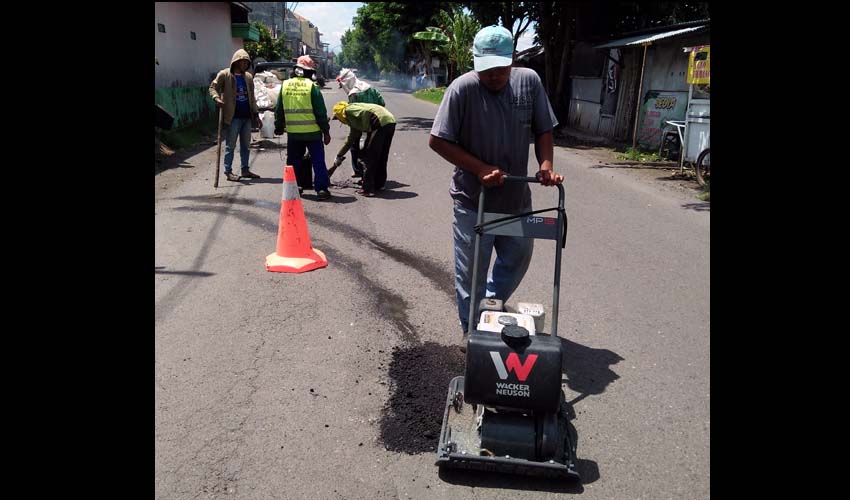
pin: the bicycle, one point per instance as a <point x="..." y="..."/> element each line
<point x="702" y="167"/>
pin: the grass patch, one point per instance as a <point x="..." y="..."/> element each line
<point x="431" y="95"/>
<point x="706" y="192"/>
<point x="189" y="136"/>
<point x="636" y="154"/>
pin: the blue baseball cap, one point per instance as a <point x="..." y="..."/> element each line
<point x="493" y="48"/>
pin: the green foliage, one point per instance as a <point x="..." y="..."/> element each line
<point x="431" y="35"/>
<point x="460" y="28"/>
<point x="382" y="34"/>
<point x="636" y="154"/>
<point x="632" y="16"/>
<point x="431" y="95"/>
<point x="267" y="48"/>
<point x="203" y="130"/>
<point x="489" y="13"/>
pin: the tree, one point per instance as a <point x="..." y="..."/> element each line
<point x="561" y="24"/>
<point x="382" y="34"/>
<point x="555" y="32"/>
<point x="431" y="40"/>
<point x="460" y="28"/>
<point x="355" y="51"/>
<point x="489" y="13"/>
<point x="624" y="17"/>
<point x="267" y="48"/>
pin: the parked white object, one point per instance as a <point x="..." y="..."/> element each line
<point x="267" y="130"/>
<point x="489" y="321"/>
<point x="534" y="310"/>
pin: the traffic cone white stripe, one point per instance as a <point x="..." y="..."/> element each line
<point x="290" y="191"/>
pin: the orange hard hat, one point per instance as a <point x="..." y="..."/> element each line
<point x="304" y="62"/>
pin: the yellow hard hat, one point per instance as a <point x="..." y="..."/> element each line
<point x="339" y="111"/>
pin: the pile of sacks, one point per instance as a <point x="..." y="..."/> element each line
<point x="267" y="90"/>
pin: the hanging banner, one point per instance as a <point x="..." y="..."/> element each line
<point x="613" y="73"/>
<point x="612" y="84"/>
<point x="699" y="65"/>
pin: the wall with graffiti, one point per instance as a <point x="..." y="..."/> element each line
<point x="658" y="107"/>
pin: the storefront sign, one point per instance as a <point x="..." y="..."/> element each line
<point x="699" y="65"/>
<point x="658" y="107"/>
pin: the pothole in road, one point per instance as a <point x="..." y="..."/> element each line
<point x="420" y="375"/>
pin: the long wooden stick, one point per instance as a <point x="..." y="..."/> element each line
<point x="218" y="154"/>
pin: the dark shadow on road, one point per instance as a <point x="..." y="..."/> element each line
<point x="186" y="273"/>
<point x="395" y="185"/>
<point x="573" y="143"/>
<point x="414" y="123"/>
<point x="336" y="198"/>
<point x="439" y="274"/>
<point x="587" y="369"/>
<point x="395" y="195"/>
<point x="649" y="165"/>
<point x="381" y="301"/>
<point x="228" y="210"/>
<point x="175" y="295"/>
<point x="586" y="468"/>
<point x="178" y="158"/>
<point x="419" y="377"/>
<point x="698" y="207"/>
<point x="269" y="144"/>
<point x="262" y="180"/>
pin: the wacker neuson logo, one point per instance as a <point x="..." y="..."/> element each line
<point x="512" y="364"/>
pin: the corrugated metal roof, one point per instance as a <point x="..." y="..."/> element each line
<point x="645" y="39"/>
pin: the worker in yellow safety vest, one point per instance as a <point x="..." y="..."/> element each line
<point x="301" y="113"/>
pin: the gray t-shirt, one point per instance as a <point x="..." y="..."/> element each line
<point x="496" y="129"/>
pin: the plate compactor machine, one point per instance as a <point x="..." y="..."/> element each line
<point x="507" y="413"/>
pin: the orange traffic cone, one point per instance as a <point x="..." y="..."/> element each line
<point x="295" y="253"/>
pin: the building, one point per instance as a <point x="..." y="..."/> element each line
<point x="608" y="78"/>
<point x="268" y="13"/>
<point x="193" y="42"/>
<point x="300" y="36"/>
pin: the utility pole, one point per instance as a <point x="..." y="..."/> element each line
<point x="274" y="21"/>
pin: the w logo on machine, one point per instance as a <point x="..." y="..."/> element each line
<point x="513" y="364"/>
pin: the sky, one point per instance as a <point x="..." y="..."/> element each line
<point x="334" y="18"/>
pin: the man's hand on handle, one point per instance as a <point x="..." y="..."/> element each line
<point x="549" y="177"/>
<point x="492" y="178"/>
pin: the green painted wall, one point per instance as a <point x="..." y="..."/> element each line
<point x="188" y="104"/>
<point x="245" y="31"/>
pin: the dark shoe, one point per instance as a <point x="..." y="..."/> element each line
<point x="249" y="175"/>
<point x="324" y="194"/>
<point x="367" y="194"/>
<point x="232" y="177"/>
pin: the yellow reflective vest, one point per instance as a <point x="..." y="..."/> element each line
<point x="297" y="106"/>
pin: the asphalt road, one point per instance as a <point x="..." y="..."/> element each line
<point x="330" y="384"/>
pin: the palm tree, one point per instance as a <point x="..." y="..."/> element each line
<point x="460" y="28"/>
